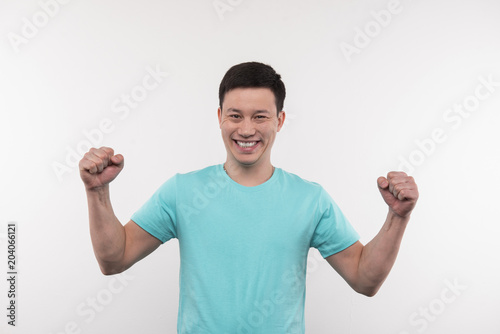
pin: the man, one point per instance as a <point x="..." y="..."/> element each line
<point x="244" y="227"/>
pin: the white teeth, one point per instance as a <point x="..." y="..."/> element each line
<point x="245" y="144"/>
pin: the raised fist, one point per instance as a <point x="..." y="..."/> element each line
<point x="99" y="166"/>
<point x="399" y="191"/>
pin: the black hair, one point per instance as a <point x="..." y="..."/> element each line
<point x="253" y="75"/>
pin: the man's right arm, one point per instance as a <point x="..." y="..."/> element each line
<point x="116" y="247"/>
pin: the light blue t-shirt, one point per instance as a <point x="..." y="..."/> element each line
<point x="244" y="249"/>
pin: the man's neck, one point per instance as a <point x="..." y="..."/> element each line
<point x="249" y="176"/>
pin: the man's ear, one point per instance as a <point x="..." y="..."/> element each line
<point x="219" y="115"/>
<point x="281" y="119"/>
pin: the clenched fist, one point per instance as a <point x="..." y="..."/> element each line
<point x="399" y="191"/>
<point x="99" y="166"/>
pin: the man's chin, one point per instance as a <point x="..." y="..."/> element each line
<point x="246" y="161"/>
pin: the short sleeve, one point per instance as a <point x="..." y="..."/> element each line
<point x="333" y="231"/>
<point x="158" y="215"/>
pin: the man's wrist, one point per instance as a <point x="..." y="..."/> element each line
<point x="99" y="189"/>
<point x="101" y="194"/>
<point x="393" y="220"/>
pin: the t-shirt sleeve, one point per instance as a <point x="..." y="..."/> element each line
<point x="158" y="215"/>
<point x="333" y="232"/>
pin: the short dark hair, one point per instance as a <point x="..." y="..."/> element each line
<point x="253" y="75"/>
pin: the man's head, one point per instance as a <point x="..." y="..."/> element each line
<point x="250" y="113"/>
<point x="253" y="75"/>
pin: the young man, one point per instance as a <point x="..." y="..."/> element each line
<point x="244" y="227"/>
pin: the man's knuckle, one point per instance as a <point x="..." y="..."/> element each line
<point x="107" y="150"/>
<point x="90" y="166"/>
<point x="101" y="155"/>
<point x="397" y="174"/>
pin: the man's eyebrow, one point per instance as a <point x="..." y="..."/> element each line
<point x="258" y="111"/>
<point x="262" y="111"/>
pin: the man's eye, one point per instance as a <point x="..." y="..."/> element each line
<point x="234" y="116"/>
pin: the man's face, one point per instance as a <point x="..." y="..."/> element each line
<point x="249" y="123"/>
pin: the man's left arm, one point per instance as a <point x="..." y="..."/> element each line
<point x="365" y="268"/>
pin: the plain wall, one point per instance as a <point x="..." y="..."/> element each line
<point x="372" y="86"/>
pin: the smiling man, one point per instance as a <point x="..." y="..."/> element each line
<point x="249" y="125"/>
<point x="245" y="226"/>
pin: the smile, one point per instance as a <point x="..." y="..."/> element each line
<point x="246" y="144"/>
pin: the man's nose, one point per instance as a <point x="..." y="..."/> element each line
<point x="246" y="128"/>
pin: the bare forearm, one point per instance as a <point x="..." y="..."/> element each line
<point x="365" y="268"/>
<point x="379" y="255"/>
<point x="106" y="231"/>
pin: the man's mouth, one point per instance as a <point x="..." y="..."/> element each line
<point x="246" y="144"/>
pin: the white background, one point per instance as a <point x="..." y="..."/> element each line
<point x="351" y="118"/>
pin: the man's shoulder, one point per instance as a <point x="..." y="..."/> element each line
<point x="300" y="182"/>
<point x="203" y="175"/>
<point x="201" y="172"/>
<point x="198" y="175"/>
